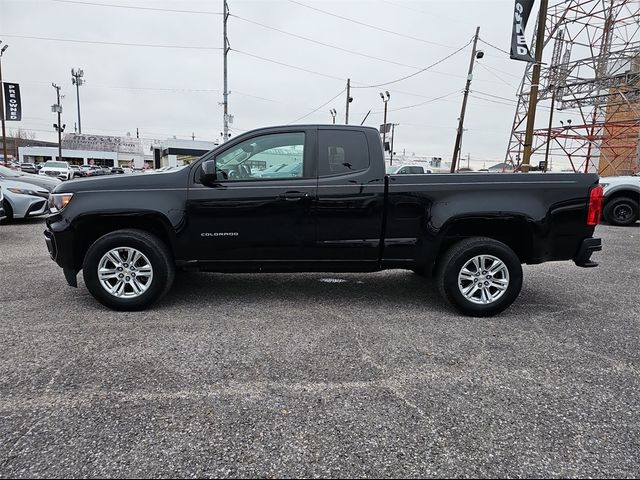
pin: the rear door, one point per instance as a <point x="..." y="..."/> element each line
<point x="350" y="201"/>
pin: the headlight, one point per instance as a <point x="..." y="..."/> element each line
<point x="21" y="191"/>
<point x="57" y="201"/>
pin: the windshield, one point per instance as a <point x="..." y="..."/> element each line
<point x="8" y="173"/>
<point x="55" y="165"/>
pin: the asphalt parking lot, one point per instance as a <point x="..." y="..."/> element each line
<point x="359" y="375"/>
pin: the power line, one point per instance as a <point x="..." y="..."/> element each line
<point x="371" y="26"/>
<point x="427" y="14"/>
<point x="484" y="67"/>
<point x="425" y="102"/>
<point x="419" y="71"/>
<point x="177" y="90"/>
<point x="519" y="77"/>
<point x="493" y="46"/>
<point x="94" y="4"/>
<point x="188" y="47"/>
<point x="324" y="44"/>
<point x="288" y="65"/>
<point x="323" y="105"/>
<point x="496" y="96"/>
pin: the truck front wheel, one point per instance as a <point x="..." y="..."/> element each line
<point x="480" y="276"/>
<point x="128" y="269"/>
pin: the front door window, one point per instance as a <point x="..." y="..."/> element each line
<point x="276" y="156"/>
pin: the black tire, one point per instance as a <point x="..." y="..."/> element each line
<point x="8" y="212"/>
<point x="621" y="211"/>
<point x="152" y="247"/>
<point x="457" y="256"/>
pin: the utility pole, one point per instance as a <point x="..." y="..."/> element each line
<point x="456" y="148"/>
<point x="4" y="132"/>
<point x="385" y="98"/>
<point x="57" y="108"/>
<point x="349" y="100"/>
<point x="535" y="80"/>
<point x="77" y="80"/>
<point x="226" y="48"/>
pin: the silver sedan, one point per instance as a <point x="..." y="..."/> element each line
<point x="23" y="200"/>
<point x="2" y="215"/>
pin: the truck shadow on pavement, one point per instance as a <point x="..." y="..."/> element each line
<point x="396" y="287"/>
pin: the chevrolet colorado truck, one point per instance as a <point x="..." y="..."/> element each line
<point x="316" y="198"/>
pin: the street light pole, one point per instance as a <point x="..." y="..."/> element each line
<point x="333" y="113"/>
<point x="456" y="148"/>
<point x="77" y="80"/>
<point x="4" y="132"/>
<point x="59" y="127"/>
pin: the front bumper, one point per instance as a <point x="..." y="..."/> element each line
<point x="26" y="206"/>
<point x="59" y="240"/>
<point x="587" y="248"/>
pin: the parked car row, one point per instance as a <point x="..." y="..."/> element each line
<point x="65" y="171"/>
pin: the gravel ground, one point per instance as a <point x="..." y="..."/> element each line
<point x="306" y="375"/>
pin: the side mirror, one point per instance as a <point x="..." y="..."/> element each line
<point x="210" y="175"/>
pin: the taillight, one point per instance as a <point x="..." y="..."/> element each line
<point x="595" y="206"/>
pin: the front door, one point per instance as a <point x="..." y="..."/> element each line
<point x="262" y="212"/>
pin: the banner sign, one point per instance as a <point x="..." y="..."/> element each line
<point x="102" y="143"/>
<point x="12" y="105"/>
<point x="519" y="48"/>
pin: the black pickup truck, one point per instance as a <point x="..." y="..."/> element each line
<point x="316" y="198"/>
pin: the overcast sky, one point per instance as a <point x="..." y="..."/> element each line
<point x="166" y="91"/>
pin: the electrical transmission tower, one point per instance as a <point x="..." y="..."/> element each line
<point x="590" y="84"/>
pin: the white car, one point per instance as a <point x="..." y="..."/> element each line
<point x="407" y="170"/>
<point x="621" y="204"/>
<point x="54" y="168"/>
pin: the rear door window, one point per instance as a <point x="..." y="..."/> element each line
<point x="341" y="152"/>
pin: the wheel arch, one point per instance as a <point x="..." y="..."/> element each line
<point x="622" y="192"/>
<point x="514" y="231"/>
<point x="89" y="228"/>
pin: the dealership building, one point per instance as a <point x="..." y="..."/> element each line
<point x="110" y="151"/>
<point x="80" y="149"/>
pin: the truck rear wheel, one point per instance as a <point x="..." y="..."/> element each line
<point x="480" y="276"/>
<point x="128" y="269"/>
<point x="621" y="211"/>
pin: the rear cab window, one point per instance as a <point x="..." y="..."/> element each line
<point x="342" y="152"/>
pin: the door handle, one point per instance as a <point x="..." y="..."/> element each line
<point x="293" y="195"/>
